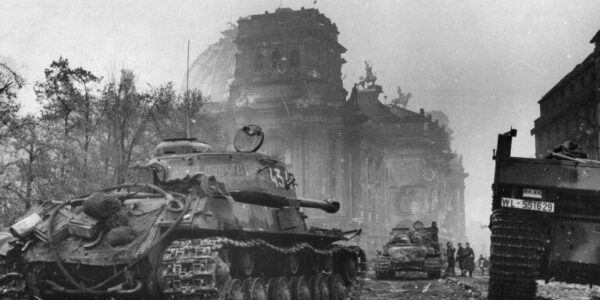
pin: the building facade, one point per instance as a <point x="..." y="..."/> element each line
<point x="386" y="165"/>
<point x="407" y="169"/>
<point x="570" y="111"/>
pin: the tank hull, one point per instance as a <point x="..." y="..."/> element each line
<point x="178" y="237"/>
<point x="410" y="254"/>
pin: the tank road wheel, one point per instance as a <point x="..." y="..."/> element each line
<point x="255" y="289"/>
<point x="337" y="289"/>
<point x="232" y="290"/>
<point x="311" y="285"/>
<point x="299" y="288"/>
<point x="320" y="287"/>
<point x="349" y="269"/>
<point x="271" y="286"/>
<point x="327" y="264"/>
<point x="515" y="257"/>
<point x="293" y="264"/>
<point x="279" y="289"/>
<point x="246" y="262"/>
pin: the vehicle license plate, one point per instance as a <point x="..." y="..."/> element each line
<point x="528" y="204"/>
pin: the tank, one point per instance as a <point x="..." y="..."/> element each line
<point x="410" y="253"/>
<point x="545" y="221"/>
<point x="192" y="223"/>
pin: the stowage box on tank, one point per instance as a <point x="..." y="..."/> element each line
<point x="193" y="223"/>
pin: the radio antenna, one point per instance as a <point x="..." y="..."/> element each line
<point x="187" y="92"/>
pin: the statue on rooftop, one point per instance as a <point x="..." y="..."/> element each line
<point x="369" y="79"/>
<point x="402" y="99"/>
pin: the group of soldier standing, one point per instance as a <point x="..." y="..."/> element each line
<point x="465" y="256"/>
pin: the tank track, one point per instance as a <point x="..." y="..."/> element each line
<point x="12" y="280"/>
<point x="516" y="251"/>
<point x="194" y="269"/>
<point x="12" y="286"/>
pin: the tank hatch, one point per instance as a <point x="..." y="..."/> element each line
<point x="248" y="139"/>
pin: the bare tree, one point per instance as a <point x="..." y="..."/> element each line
<point x="189" y="111"/>
<point x="68" y="104"/>
<point x="10" y="83"/>
<point x="88" y="134"/>
<point x="87" y="116"/>
<point x="29" y="152"/>
<point x="57" y="94"/>
<point x="128" y="114"/>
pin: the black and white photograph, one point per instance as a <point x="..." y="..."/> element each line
<point x="300" y="149"/>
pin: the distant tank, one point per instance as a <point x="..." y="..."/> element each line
<point x="192" y="224"/>
<point x="410" y="253"/>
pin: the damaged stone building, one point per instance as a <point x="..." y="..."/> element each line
<point x="570" y="110"/>
<point x="385" y="164"/>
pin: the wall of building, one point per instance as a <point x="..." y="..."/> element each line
<point x="570" y="111"/>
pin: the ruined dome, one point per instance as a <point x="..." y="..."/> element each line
<point x="213" y="70"/>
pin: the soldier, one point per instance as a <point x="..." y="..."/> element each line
<point x="451" y="261"/>
<point x="469" y="259"/>
<point x="433" y="231"/>
<point x="483" y="264"/>
<point x="460" y="256"/>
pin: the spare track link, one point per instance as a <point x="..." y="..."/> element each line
<point x="516" y="250"/>
<point x="188" y="266"/>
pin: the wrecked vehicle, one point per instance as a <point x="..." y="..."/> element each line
<point x="545" y="220"/>
<point x="410" y="253"/>
<point x="192" y="224"/>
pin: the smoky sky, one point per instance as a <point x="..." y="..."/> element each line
<point x="484" y="63"/>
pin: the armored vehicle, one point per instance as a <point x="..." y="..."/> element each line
<point x="545" y="220"/>
<point x="410" y="253"/>
<point x="192" y="224"/>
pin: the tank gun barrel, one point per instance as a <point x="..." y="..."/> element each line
<point x="269" y="200"/>
<point x="329" y="206"/>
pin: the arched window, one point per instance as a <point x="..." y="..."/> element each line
<point x="275" y="58"/>
<point x="295" y="59"/>
<point x="258" y="62"/>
